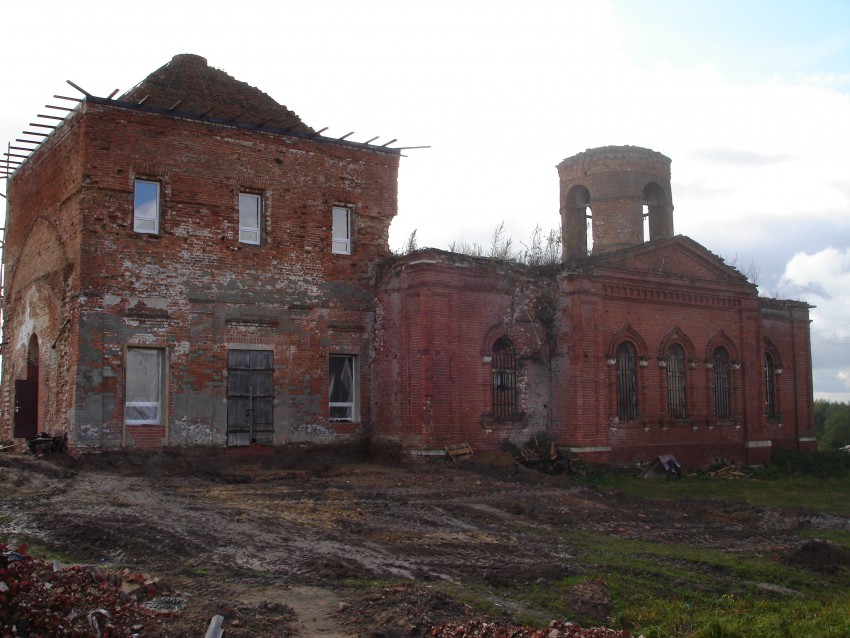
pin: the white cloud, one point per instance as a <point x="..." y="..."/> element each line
<point x="823" y="278"/>
<point x="503" y="94"/>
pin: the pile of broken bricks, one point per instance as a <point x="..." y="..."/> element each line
<point x="41" y="598"/>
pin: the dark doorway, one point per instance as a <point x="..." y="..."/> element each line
<point x="249" y="397"/>
<point x="26" y="396"/>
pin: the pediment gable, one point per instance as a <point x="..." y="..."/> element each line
<point x="678" y="257"/>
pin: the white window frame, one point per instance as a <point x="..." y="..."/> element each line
<point x="143" y="220"/>
<point x="250" y="234"/>
<point x="155" y="417"/>
<point x="353" y="406"/>
<point x="341" y="237"/>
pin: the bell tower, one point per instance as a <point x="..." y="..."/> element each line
<point x="614" y="197"/>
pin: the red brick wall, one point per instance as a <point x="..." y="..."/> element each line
<point x="614" y="179"/>
<point x="786" y="331"/>
<point x="440" y="313"/>
<point x="439" y="317"/>
<point x="42" y="247"/>
<point x="195" y="290"/>
<point x="422" y="327"/>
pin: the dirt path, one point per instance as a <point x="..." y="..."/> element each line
<point x="285" y="551"/>
<point x="315" y="608"/>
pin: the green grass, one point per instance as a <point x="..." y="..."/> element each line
<point x="673" y="590"/>
<point x="825" y="495"/>
<point x="838" y="536"/>
<point x="681" y="590"/>
<point x="730" y="616"/>
<point x="37" y="549"/>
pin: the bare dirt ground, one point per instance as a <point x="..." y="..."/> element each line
<point x="283" y="546"/>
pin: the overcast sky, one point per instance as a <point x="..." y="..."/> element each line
<point x="750" y="99"/>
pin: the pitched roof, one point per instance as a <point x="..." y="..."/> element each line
<point x="187" y="84"/>
<point x="644" y="257"/>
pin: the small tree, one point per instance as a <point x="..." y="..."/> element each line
<point x="410" y="244"/>
<point x="500" y="244"/>
<point x="836" y="426"/>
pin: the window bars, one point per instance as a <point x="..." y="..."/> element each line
<point x="626" y="382"/>
<point x="504" y="379"/>
<point x="676" y="382"/>
<point x="721" y="384"/>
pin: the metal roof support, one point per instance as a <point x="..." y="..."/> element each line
<point x="83" y="91"/>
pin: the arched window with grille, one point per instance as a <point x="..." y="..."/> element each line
<point x="627" y="399"/>
<point x="721" y="384"/>
<point x="769" y="386"/>
<point x="504" y="379"/>
<point x="676" y="382"/>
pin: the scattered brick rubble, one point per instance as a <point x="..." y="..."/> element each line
<point x="43" y="599"/>
<point x="729" y="472"/>
<point x="556" y="629"/>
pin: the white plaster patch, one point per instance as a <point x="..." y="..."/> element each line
<point x="313" y="431"/>
<point x="194" y="432"/>
<point x="755" y="444"/>
<point x="88" y="432"/>
<point x="181" y="348"/>
<point x="27" y="328"/>
<point x="151" y="302"/>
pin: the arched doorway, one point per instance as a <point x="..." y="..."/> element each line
<point x="26" y="395"/>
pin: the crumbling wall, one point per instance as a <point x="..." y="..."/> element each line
<point x="439" y="316"/>
<point x="42" y="246"/>
<point x="193" y="290"/>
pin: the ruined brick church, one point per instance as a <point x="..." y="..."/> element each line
<point x="190" y="264"/>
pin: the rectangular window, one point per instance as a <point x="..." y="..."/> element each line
<point x="342" y="388"/>
<point x="341" y="244"/>
<point x="146" y="207"/>
<point x="143" y="386"/>
<point x="250" y="210"/>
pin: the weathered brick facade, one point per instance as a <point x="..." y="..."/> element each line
<point x="241" y="332"/>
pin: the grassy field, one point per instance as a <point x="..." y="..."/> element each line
<point x="665" y="590"/>
<point x="766" y="553"/>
